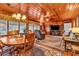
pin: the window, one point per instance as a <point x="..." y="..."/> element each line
<point x="31" y="27"/>
<point x="36" y="27"/>
<point x="67" y="26"/>
<point x="13" y="25"/>
<point x="48" y="28"/>
<point x="3" y="27"/>
<point x="22" y="27"/>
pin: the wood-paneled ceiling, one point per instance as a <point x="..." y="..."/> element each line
<point x="57" y="11"/>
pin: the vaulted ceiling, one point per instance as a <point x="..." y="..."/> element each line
<point x="57" y="12"/>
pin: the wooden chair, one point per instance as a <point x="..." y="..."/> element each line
<point x="31" y="38"/>
<point x="26" y="46"/>
<point x="1" y="46"/>
<point x="4" y="49"/>
<point x="18" y="48"/>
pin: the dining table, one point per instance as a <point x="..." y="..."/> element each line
<point x="13" y="41"/>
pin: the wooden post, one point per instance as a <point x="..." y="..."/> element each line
<point x="27" y="20"/>
<point x="42" y="27"/>
<point x="27" y="25"/>
<point x="74" y="23"/>
<point x="7" y="27"/>
<point x="19" y="25"/>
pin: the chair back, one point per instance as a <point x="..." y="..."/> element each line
<point x="30" y="38"/>
<point x="1" y="43"/>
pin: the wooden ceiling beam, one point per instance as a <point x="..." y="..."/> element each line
<point x="52" y="9"/>
<point x="4" y="7"/>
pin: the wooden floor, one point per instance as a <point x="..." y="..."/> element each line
<point x="50" y="46"/>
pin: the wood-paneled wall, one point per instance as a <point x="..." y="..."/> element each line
<point x="75" y="22"/>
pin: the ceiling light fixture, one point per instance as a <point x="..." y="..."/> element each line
<point x="47" y="19"/>
<point x="14" y="15"/>
<point x="19" y="15"/>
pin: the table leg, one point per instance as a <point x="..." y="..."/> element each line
<point x="65" y="45"/>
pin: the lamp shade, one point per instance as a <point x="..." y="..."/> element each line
<point x="47" y="19"/>
<point x="23" y="17"/>
<point x="75" y="30"/>
<point x="18" y="15"/>
<point x="14" y="15"/>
